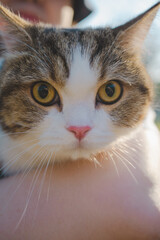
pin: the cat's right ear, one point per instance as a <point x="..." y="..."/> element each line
<point x="12" y="30"/>
<point x="132" y="34"/>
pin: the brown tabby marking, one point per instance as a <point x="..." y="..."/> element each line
<point x="40" y="53"/>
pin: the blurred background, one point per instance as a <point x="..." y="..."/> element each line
<point x="94" y="13"/>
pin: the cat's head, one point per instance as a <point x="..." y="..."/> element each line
<point x="71" y="92"/>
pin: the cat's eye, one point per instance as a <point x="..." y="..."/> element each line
<point x="110" y="92"/>
<point x="44" y="93"/>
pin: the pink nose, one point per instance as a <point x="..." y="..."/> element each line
<point x="79" y="132"/>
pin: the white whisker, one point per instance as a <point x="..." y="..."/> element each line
<point x="27" y="170"/>
<point x="31" y="189"/>
<point x="96" y="162"/>
<point x="126" y="160"/>
<point x="12" y="161"/>
<point x="114" y="163"/>
<point x="18" y="145"/>
<point x="51" y="171"/>
<point x="48" y="159"/>
<point x="121" y="159"/>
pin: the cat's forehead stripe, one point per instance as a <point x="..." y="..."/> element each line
<point x="61" y="45"/>
<point x="99" y="45"/>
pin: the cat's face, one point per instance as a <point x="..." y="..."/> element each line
<point x="70" y="93"/>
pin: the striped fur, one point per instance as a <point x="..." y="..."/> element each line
<point x="76" y="62"/>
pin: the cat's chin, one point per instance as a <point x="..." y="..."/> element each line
<point x="79" y="155"/>
<point x="73" y="152"/>
<point x="76" y="154"/>
<point x="73" y="155"/>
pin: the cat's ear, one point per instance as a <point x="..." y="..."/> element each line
<point x="12" y="30"/>
<point x="133" y="33"/>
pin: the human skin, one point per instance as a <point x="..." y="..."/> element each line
<point x="79" y="200"/>
<point x="48" y="11"/>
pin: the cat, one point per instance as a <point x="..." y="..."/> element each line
<point x="67" y="94"/>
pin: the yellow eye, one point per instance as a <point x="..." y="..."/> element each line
<point x="110" y="92"/>
<point x="44" y="93"/>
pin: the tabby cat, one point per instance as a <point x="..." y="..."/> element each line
<point x="70" y="93"/>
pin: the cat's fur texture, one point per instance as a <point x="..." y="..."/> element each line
<point x="76" y="62"/>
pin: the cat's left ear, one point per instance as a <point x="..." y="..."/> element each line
<point x="12" y="30"/>
<point x="132" y="34"/>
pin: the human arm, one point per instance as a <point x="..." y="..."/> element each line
<point x="84" y="202"/>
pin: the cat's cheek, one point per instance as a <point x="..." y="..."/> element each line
<point x="105" y="132"/>
<point x="52" y="131"/>
<point x="102" y="133"/>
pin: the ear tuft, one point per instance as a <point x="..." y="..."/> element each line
<point x="12" y="29"/>
<point x="133" y="33"/>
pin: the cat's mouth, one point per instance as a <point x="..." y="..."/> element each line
<point x="81" y="146"/>
<point x="81" y="149"/>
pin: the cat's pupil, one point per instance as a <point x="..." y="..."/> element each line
<point x="110" y="90"/>
<point x="43" y="91"/>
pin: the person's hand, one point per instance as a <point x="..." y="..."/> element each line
<point x="77" y="200"/>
